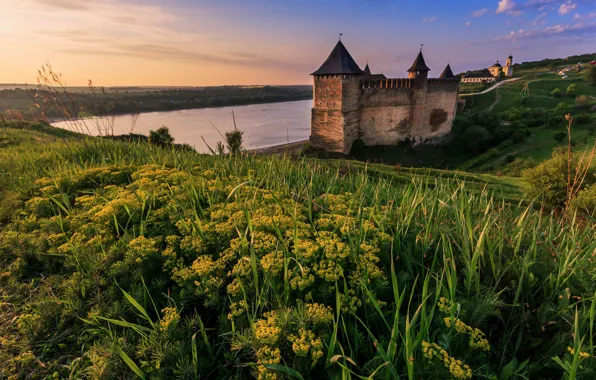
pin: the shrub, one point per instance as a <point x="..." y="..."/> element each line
<point x="591" y="129"/>
<point x="161" y="137"/>
<point x="590" y="75"/>
<point x="520" y="136"/>
<point x="476" y="138"/>
<point x="583" y="102"/>
<point x="549" y="179"/>
<point x="556" y="93"/>
<point x="585" y="202"/>
<point x="582" y="118"/>
<point x="234" y="142"/>
<point x="572" y="89"/>
<point x="518" y="165"/>
<point x="555" y="121"/>
<point x="562" y="109"/>
<point x="560" y="136"/>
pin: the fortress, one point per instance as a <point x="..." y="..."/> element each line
<point x="352" y="104"/>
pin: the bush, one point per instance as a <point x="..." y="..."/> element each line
<point x="583" y="102"/>
<point x="476" y="139"/>
<point x="591" y="129"/>
<point x="560" y="136"/>
<point x="234" y="142"/>
<point x="555" y="121"/>
<point x="585" y="202"/>
<point x="556" y="93"/>
<point x="548" y="180"/>
<point x="572" y="89"/>
<point x="520" y="136"/>
<point x="590" y="75"/>
<point x="515" y="167"/>
<point x="582" y="118"/>
<point x="161" y="137"/>
<point x="562" y="109"/>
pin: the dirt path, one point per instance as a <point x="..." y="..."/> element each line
<point x="495" y="86"/>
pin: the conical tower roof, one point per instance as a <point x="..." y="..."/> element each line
<point x="339" y="62"/>
<point x="447" y="73"/>
<point x="419" y="64"/>
<point x="367" y="70"/>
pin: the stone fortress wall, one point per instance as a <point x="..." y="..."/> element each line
<point x="348" y="105"/>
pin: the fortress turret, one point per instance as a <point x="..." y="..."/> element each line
<point x="419" y="70"/>
<point x="335" y="115"/>
<point x="447" y="73"/>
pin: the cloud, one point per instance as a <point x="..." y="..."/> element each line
<point x="567" y="7"/>
<point x="429" y="20"/>
<point x="66" y="4"/>
<point x="557" y="31"/>
<point x="468" y="23"/>
<point x="480" y="13"/>
<point x="539" y="19"/>
<point x="505" y="6"/>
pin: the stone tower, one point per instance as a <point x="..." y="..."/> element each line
<point x="508" y="68"/>
<point x="419" y="70"/>
<point x="335" y="113"/>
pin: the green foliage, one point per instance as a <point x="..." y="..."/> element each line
<point x="234" y="141"/>
<point x="518" y="165"/>
<point x="548" y="180"/>
<point x="585" y="202"/>
<point x="161" y="137"/>
<point x="562" y="109"/>
<point x="151" y="100"/>
<point x="476" y="138"/>
<point x="560" y="136"/>
<point x="556" y="93"/>
<point x="571" y="90"/>
<point x="126" y="261"/>
<point x="590" y="75"/>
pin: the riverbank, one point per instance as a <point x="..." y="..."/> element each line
<point x="40" y="103"/>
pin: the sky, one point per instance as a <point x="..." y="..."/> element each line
<point x="251" y="42"/>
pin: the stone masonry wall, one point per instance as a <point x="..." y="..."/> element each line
<point x="327" y="129"/>
<point x="381" y="112"/>
<point x="335" y="114"/>
<point x="416" y="111"/>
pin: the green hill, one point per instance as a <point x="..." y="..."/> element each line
<point x="123" y="260"/>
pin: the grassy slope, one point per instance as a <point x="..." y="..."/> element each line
<point x="518" y="276"/>
<point x="541" y="144"/>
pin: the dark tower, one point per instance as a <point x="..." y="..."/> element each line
<point x="447" y="73"/>
<point x="335" y="113"/>
<point x="419" y="70"/>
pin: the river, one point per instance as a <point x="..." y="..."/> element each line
<point x="263" y="125"/>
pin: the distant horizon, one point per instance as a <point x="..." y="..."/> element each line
<point x="212" y="42"/>
<point x="273" y="84"/>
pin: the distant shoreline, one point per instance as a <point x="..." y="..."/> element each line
<point x="53" y="120"/>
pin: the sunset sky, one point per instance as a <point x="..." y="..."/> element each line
<point x="213" y="42"/>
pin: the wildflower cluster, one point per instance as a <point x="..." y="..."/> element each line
<point x="456" y="367"/>
<point x="170" y="318"/>
<point x="582" y="354"/>
<point x="266" y="330"/>
<point x="477" y="338"/>
<point x="267" y="355"/>
<point x="305" y="342"/>
<point x="445" y="305"/>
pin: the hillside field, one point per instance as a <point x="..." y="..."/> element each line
<point x="123" y="260"/>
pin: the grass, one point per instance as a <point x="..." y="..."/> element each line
<point x="122" y="260"/>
